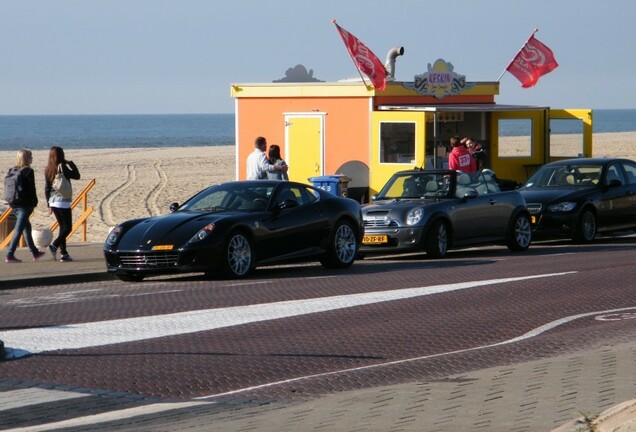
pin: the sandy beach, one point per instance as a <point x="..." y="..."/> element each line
<point x="140" y="182"/>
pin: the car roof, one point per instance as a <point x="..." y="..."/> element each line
<point x="587" y="161"/>
<point x="258" y="182"/>
<point x="421" y="171"/>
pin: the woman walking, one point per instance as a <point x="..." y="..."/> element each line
<point x="58" y="203"/>
<point x="22" y="205"/>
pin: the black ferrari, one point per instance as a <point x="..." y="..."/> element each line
<point x="579" y="198"/>
<point x="233" y="227"/>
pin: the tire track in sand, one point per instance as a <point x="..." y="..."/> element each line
<point x="105" y="205"/>
<point x="151" y="200"/>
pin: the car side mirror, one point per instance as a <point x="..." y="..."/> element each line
<point x="612" y="184"/>
<point x="174" y="207"/>
<point x="288" y="203"/>
<point x="470" y="195"/>
<point x="374" y="197"/>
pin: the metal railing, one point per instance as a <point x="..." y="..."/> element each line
<point x="82" y="221"/>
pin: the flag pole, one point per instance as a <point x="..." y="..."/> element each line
<point x="354" y="62"/>
<point x="515" y="56"/>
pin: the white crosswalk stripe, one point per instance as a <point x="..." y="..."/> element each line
<point x="33" y="396"/>
<point x="20" y="343"/>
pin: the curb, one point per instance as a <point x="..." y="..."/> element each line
<point x="62" y="279"/>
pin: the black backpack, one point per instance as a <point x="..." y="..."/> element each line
<point x="14" y="186"/>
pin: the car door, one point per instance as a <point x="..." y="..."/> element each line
<point x="614" y="205"/>
<point x="293" y="228"/>
<point x="630" y="178"/>
<point x="503" y="205"/>
<point x="476" y="219"/>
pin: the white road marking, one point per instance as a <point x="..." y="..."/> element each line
<point x="533" y="333"/>
<point x="33" y="396"/>
<point x="162" y="407"/>
<point x="616" y="316"/>
<point x="109" y="416"/>
<point x="53" y="299"/>
<point x="20" y="343"/>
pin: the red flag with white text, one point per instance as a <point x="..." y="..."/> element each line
<point x="366" y="62"/>
<point x="533" y="61"/>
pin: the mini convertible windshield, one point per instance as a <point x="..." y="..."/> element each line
<point x="416" y="185"/>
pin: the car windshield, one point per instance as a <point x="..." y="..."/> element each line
<point x="565" y="176"/>
<point x="231" y="196"/>
<point x="417" y="185"/>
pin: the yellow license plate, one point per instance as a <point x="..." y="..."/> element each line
<point x="375" y="239"/>
<point x="533" y="219"/>
<point x="163" y="247"/>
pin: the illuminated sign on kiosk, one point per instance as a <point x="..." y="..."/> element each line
<point x="440" y="81"/>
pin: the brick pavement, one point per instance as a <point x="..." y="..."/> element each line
<point x="537" y="395"/>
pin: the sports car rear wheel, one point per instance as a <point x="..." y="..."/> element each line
<point x="520" y="235"/>
<point x="238" y="256"/>
<point x="437" y="240"/>
<point x="343" y="246"/>
<point x="130" y="277"/>
<point x="585" y="230"/>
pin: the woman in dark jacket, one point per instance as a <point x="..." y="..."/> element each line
<point x="23" y="208"/>
<point x="59" y="205"/>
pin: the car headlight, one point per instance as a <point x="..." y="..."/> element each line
<point x="113" y="235"/>
<point x="202" y="233"/>
<point x="562" y="207"/>
<point x="414" y="216"/>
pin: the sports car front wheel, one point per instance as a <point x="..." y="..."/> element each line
<point x="237" y="260"/>
<point x="343" y="246"/>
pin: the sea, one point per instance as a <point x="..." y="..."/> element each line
<point x="40" y="132"/>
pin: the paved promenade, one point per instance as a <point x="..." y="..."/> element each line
<point x="509" y="398"/>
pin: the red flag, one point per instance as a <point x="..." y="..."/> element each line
<point x="366" y="62"/>
<point x="534" y="60"/>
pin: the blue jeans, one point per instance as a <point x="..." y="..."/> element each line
<point x="22" y="226"/>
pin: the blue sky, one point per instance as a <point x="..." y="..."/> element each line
<point x="181" y="56"/>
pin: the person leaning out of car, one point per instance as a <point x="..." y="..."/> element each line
<point x="59" y="205"/>
<point x="460" y="158"/>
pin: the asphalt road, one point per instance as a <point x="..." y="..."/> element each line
<point x="298" y="333"/>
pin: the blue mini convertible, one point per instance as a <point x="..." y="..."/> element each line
<point x="434" y="210"/>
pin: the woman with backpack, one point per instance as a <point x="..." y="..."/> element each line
<point x="58" y="200"/>
<point x="20" y="194"/>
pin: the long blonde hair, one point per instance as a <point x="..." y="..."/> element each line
<point x="24" y="158"/>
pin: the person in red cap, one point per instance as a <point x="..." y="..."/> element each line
<point x="460" y="158"/>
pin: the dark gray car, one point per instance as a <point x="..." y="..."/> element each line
<point x="434" y="210"/>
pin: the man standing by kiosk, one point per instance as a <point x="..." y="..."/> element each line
<point x="257" y="163"/>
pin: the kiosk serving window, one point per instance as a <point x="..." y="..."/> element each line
<point x="397" y="142"/>
<point x="566" y="137"/>
<point x="515" y="138"/>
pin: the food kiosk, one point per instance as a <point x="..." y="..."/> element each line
<point x="350" y="128"/>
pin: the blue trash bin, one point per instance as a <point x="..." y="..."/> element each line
<point x="334" y="184"/>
